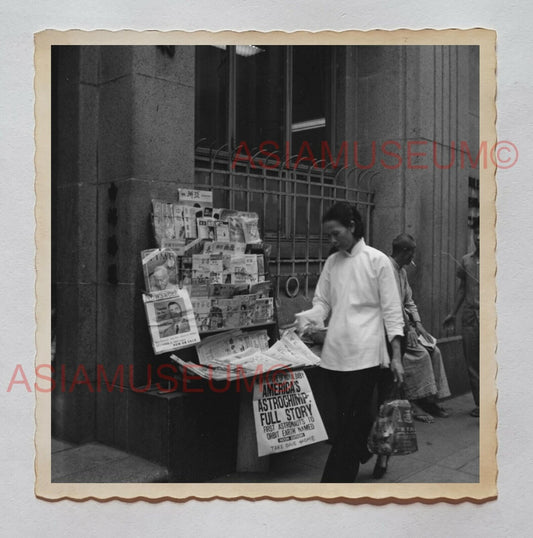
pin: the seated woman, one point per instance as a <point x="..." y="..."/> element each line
<point x="425" y="377"/>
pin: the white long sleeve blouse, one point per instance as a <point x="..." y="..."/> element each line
<point x="360" y="291"/>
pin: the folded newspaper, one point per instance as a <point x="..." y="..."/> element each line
<point x="429" y="343"/>
<point x="217" y="364"/>
<point x="170" y="320"/>
<point x="230" y="343"/>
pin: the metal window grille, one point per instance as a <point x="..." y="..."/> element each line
<point x="290" y="199"/>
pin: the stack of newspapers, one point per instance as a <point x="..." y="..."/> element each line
<point x="234" y="355"/>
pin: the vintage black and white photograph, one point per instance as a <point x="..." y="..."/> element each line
<point x="356" y="180"/>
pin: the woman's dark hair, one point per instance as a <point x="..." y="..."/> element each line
<point x="344" y="213"/>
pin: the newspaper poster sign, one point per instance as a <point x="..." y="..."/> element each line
<point x="171" y="320"/>
<point x="285" y="413"/>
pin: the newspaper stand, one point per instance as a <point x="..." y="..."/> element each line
<point x="183" y="231"/>
<point x="247" y="459"/>
<point x="210" y="276"/>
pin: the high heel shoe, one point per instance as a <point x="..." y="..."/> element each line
<point x="379" y="468"/>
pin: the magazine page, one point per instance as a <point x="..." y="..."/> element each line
<point x="222" y="231"/>
<point x="170" y="320"/>
<point x="160" y="269"/>
<point x="163" y="224"/>
<point x="201" y="307"/>
<point x="189" y="215"/>
<point x="206" y="228"/>
<point x="250" y="226"/>
<point x="264" y="310"/>
<point x="261" y="289"/>
<point x="251" y="268"/>
<point x="179" y="236"/>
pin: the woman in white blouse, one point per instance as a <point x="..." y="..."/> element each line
<point x="357" y="289"/>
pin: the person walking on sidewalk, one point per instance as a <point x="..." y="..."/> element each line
<point x="357" y="287"/>
<point x="468" y="296"/>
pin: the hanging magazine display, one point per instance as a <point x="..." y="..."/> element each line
<point x="171" y="320"/>
<point x="207" y="274"/>
<point x="160" y="269"/>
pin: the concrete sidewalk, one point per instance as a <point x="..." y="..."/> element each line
<point x="94" y="462"/>
<point x="448" y="451"/>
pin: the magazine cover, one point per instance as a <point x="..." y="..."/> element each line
<point x="206" y="228"/>
<point x="228" y="290"/>
<point x="201" y="307"/>
<point x="160" y="269"/>
<point x="251" y="267"/>
<point x="200" y="268"/>
<point x="170" y="320"/>
<point x="189" y="214"/>
<point x="178" y="238"/>
<point x="185" y="272"/>
<point x="236" y="232"/>
<point x="163" y="224"/>
<point x="250" y="226"/>
<point x="261" y="289"/>
<point x="222" y="231"/>
<point x="264" y="310"/>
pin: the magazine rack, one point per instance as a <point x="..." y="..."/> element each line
<point x="169" y="230"/>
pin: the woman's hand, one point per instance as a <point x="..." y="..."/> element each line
<point x="397" y="370"/>
<point x="396" y="361"/>
<point x="422" y="331"/>
<point x="412" y="338"/>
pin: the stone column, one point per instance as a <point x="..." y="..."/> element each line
<point x="125" y="134"/>
<point x="145" y="151"/>
<point x="74" y="214"/>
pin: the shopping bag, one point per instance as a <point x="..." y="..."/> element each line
<point x="393" y="431"/>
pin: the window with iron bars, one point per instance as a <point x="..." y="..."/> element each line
<point x="264" y="126"/>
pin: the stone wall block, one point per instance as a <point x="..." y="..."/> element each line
<point x="115" y="62"/>
<point x="88" y="135"/>
<point x="76" y="330"/>
<point x="90" y="64"/>
<point x="75" y="208"/>
<point x="174" y="64"/>
<point x="163" y="145"/>
<point x="115" y="138"/>
<point x="73" y="415"/>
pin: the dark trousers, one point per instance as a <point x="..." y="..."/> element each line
<point x="386" y="387"/>
<point x="470" y="326"/>
<point x="352" y="392"/>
